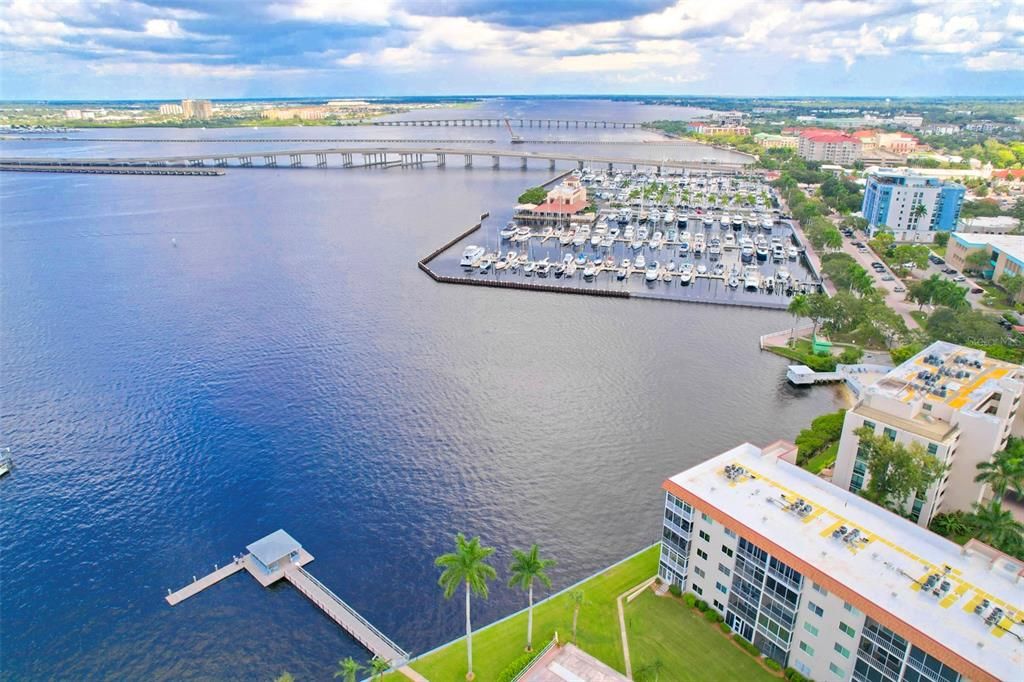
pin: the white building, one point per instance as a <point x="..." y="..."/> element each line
<point x="959" y="404"/>
<point x="913" y="207"/>
<point x="840" y="589"/>
<point x="171" y="110"/>
<point x="831" y="146"/>
<point x="73" y="114"/>
<point x="1000" y="224"/>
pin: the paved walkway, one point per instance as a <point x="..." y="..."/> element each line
<point x="412" y="674"/>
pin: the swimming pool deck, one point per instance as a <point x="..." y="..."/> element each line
<point x="331" y="604"/>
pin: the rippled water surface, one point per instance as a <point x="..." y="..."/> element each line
<point x="191" y="363"/>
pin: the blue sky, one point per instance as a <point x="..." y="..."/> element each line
<point x="110" y="49"/>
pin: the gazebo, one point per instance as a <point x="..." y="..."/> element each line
<point x="274" y="552"/>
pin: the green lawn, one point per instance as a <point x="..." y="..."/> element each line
<point x="919" y="316"/>
<point x="688" y="646"/>
<point x="823" y="459"/>
<point x="497" y="645"/>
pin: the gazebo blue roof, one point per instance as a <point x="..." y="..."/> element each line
<point x="273" y="547"/>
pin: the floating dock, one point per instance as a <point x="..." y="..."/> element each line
<point x="278" y="556"/>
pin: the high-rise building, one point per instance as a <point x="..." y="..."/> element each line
<point x="171" y="110"/>
<point x="823" y="581"/>
<point x="769" y="141"/>
<point x="200" y="109"/>
<point x="831" y="146"/>
<point x="913" y="207"/>
<point x="956" y="402"/>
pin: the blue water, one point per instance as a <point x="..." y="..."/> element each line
<point x="285" y="365"/>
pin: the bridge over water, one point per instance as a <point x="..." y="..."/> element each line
<point x="366" y="157"/>
<point x="517" y="122"/>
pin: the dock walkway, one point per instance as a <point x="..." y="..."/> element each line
<point x="201" y="584"/>
<point x="345" y="616"/>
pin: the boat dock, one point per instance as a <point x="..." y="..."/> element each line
<point x="278" y="556"/>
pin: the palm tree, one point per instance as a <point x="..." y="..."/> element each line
<point x="996" y="525"/>
<point x="527" y="567"/>
<point x="378" y="666"/>
<point x="576" y="597"/>
<point x="1004" y="471"/>
<point x="466" y="565"/>
<point x="348" y="669"/>
<point x="284" y="677"/>
<point x="798" y="307"/>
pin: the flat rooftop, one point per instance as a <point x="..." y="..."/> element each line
<point x="568" y="663"/>
<point x="883" y="569"/>
<point x="1010" y="244"/>
<point x="956" y="375"/>
<point x="275" y="546"/>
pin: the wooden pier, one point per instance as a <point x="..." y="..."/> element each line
<point x="278" y="556"/>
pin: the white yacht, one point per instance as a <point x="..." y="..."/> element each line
<point x="589" y="272"/>
<point x="685" y="274"/>
<point x="581" y="236"/>
<point x="767" y="224"/>
<point x="730" y="241"/>
<point x="508" y="231"/>
<point x="566" y="237"/>
<point x="702" y="269"/>
<point x="751" y="278"/>
<point x="640" y="262"/>
<point x="652" y="272"/>
<point x="470" y="255"/>
<point x="522" y="234"/>
<point x="656" y="240"/>
<point x="628" y="233"/>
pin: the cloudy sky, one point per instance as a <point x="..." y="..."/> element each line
<point x="111" y="49"/>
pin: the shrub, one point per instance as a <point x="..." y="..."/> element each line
<point x="702" y="605"/>
<point x="904" y="353"/>
<point x="533" y="195"/>
<point x="772" y="664"/>
<point x="517" y="666"/>
<point x="689" y="599"/>
<point x="675" y="590"/>
<point x="724" y="628"/>
<point x="794" y="675"/>
<point x="711" y="616"/>
<point x="851" y="355"/>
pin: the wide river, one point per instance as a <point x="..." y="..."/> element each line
<point x="189" y="363"/>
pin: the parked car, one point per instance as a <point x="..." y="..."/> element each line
<point x="949" y="271"/>
<point x="888" y="278"/>
<point x="899" y="288"/>
<point x="877" y="264"/>
<point x="977" y="290"/>
<point x="936" y="260"/>
<point x="959" y="278"/>
<point x="862" y="249"/>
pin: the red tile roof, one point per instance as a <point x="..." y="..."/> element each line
<point x="829" y="136"/>
<point x="549" y="207"/>
<point x="1007" y="172"/>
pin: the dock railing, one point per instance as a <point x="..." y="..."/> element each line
<point x="402" y="655"/>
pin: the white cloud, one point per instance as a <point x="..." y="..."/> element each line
<point x="336" y="11"/>
<point x="996" y="60"/>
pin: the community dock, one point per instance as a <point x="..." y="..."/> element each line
<point x="278" y="556"/>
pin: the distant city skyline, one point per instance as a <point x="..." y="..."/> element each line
<point x="172" y="49"/>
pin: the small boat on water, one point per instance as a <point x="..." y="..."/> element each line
<point x="792" y="252"/>
<point x="508" y="231"/>
<point x="733" y="282"/>
<point x="566" y="237"/>
<point x="686" y="274"/>
<point x="666" y="276"/>
<point x="581" y="236"/>
<point x="581" y="259"/>
<point x="751" y="278"/>
<point x="656" y="240"/>
<point x="589" y="272"/>
<point x="640" y="262"/>
<point x="653" y="272"/>
<point x="559" y="270"/>
<point x="6" y="463"/>
<point x="702" y="269"/>
<point x="570" y="269"/>
<point x="621" y="273"/>
<point x="543" y="268"/>
<point x="529" y="268"/>
<point x="522" y="234"/>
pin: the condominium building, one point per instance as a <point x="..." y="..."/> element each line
<point x="823" y="581"/>
<point x="301" y="113"/>
<point x="769" y="141"/>
<point x="959" y="404"/>
<point x="725" y="129"/>
<point x="911" y="205"/>
<point x="171" y="110"/>
<point x="197" y="108"/>
<point x="1005" y="253"/>
<point x="830" y="146"/>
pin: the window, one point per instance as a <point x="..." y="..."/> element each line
<point x="810" y="628"/>
<point x="730" y="533"/>
<point x="815" y="609"/>
<point x="702" y="554"/>
<point x="699" y="571"/>
<point x="706" y="517"/>
<point x="819" y="589"/>
<point x="843" y="651"/>
<point x="933" y="449"/>
<point x="722" y="568"/>
<point x="850" y="607"/>
<point x="889" y="433"/>
<point x="837" y="671"/>
<point x="721" y="588"/>
<point x="698" y="589"/>
<point x="870" y="425"/>
<point x="846" y="629"/>
<point x="719" y="605"/>
<point x="726" y="551"/>
<point x="806" y="648"/>
<point x="705" y="537"/>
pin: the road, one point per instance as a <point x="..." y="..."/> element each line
<point x="894" y="299"/>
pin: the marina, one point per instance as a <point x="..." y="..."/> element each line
<point x="691" y="236"/>
<point x="279" y="556"/>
